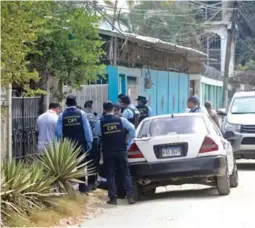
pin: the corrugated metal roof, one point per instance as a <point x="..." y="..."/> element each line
<point x="156" y="43"/>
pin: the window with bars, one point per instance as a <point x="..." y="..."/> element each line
<point x="212" y="46"/>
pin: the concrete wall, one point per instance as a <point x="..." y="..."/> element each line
<point x="208" y="90"/>
<point x="221" y="29"/>
<point x="6" y="123"/>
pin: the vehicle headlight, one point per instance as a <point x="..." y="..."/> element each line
<point x="232" y="127"/>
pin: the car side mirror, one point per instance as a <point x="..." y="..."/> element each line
<point x="222" y="112"/>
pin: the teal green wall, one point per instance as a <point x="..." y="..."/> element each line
<point x="211" y="93"/>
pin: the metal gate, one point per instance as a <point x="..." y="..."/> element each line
<point x="25" y="111"/>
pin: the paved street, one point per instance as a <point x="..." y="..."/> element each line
<point x="190" y="206"/>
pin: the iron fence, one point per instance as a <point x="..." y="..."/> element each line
<point x="25" y="111"/>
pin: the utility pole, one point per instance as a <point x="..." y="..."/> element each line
<point x="113" y="44"/>
<point x="228" y="55"/>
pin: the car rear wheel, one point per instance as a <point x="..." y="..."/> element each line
<point x="150" y="192"/>
<point x="234" y="177"/>
<point x="223" y="184"/>
<point x="138" y="190"/>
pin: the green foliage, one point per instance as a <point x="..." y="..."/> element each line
<point x="28" y="188"/>
<point x="18" y="27"/>
<point x="69" y="48"/>
<point x="165" y="21"/>
<point x="62" y="161"/>
<point x="249" y="66"/>
<point x="23" y="189"/>
<point x="49" y="39"/>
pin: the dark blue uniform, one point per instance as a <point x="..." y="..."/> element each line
<point x="73" y="129"/>
<point x="144" y="112"/>
<point x="114" y="153"/>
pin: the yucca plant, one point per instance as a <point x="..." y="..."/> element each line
<point x="24" y="189"/>
<point x="62" y="161"/>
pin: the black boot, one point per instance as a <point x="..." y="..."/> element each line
<point x="131" y="200"/>
<point x="112" y="201"/>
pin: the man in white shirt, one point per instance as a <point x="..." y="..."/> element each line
<point x="46" y="127"/>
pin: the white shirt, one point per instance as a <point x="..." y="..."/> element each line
<point x="46" y="126"/>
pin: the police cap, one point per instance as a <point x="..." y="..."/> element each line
<point x="108" y="106"/>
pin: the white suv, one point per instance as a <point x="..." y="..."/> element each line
<point x="239" y="124"/>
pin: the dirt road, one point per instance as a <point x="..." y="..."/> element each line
<point x="187" y="206"/>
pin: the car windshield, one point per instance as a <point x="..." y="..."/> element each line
<point x="243" y="105"/>
<point x="175" y="125"/>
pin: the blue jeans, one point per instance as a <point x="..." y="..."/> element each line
<point x="113" y="161"/>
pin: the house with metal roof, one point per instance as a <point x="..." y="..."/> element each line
<point x="145" y="66"/>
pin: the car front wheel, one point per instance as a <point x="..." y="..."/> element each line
<point x="223" y="184"/>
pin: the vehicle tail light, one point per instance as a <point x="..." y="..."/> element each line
<point x="208" y="145"/>
<point x="134" y="152"/>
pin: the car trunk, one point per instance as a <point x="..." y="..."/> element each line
<point x="170" y="147"/>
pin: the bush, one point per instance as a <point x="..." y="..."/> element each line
<point x="62" y="161"/>
<point x="27" y="188"/>
<point x="23" y="189"/>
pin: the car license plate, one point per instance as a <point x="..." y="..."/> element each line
<point x="171" y="152"/>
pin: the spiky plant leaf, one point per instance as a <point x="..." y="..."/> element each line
<point x="64" y="161"/>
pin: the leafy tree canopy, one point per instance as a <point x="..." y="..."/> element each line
<point x="163" y="20"/>
<point x="54" y="39"/>
<point x="18" y="27"/>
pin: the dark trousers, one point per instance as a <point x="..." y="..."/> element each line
<point x="83" y="186"/>
<point x="118" y="160"/>
<point x="94" y="157"/>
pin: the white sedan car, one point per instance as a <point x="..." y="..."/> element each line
<point x="178" y="149"/>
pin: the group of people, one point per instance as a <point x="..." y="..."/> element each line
<point x="112" y="133"/>
<point x="194" y="106"/>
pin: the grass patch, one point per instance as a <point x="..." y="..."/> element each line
<point x="65" y="207"/>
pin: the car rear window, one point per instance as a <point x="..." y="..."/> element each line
<point x="175" y="125"/>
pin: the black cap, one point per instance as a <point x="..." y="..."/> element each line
<point x="108" y="106"/>
<point x="125" y="100"/>
<point x="121" y="95"/>
<point x="141" y="98"/>
<point x="71" y="100"/>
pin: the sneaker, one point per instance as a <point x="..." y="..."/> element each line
<point x="131" y="200"/>
<point x="112" y="201"/>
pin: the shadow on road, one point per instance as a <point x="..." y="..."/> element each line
<point x="246" y="166"/>
<point x="185" y="194"/>
<point x="201" y="194"/>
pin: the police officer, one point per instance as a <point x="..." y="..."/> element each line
<point x="112" y="128"/>
<point x="130" y="111"/>
<point x="119" y="100"/>
<point x="88" y="108"/>
<point x="74" y="125"/>
<point x="117" y="110"/>
<point x="194" y="104"/>
<point x="145" y="110"/>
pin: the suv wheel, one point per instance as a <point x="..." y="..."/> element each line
<point x="223" y="184"/>
<point x="234" y="177"/>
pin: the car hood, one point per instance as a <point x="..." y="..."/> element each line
<point x="246" y="119"/>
